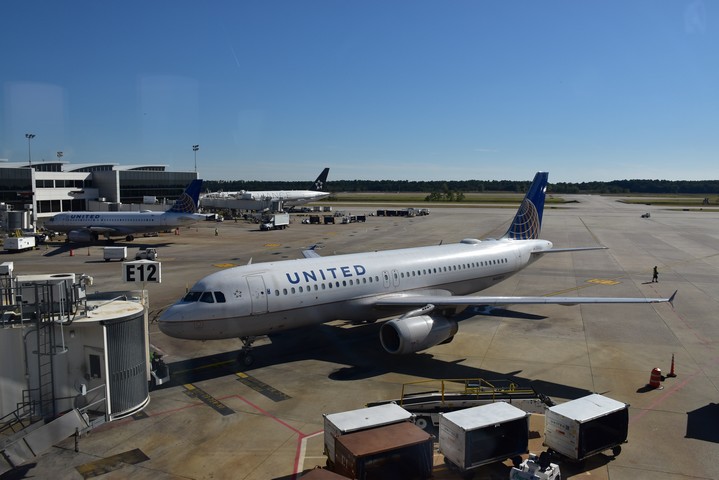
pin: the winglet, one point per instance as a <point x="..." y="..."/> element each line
<point x="188" y="201"/>
<point x="319" y="184"/>
<point x="527" y="223"/>
<point x="311" y="252"/>
<point x="671" y="299"/>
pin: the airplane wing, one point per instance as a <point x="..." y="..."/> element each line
<point x="311" y="252"/>
<point x="460" y="301"/>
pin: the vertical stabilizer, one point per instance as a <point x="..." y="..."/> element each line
<point x="527" y="223"/>
<point x="319" y="184"/>
<point x="187" y="202"/>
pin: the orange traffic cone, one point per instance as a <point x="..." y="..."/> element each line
<point x="656" y="378"/>
<point x="671" y="370"/>
<point x="72" y="253"/>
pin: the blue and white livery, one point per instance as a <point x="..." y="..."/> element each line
<point x="423" y="287"/>
<point x="90" y="226"/>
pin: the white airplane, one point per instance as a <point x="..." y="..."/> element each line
<point x="289" y="198"/>
<point x="426" y="286"/>
<point x="89" y="226"/>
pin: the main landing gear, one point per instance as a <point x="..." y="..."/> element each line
<point x="245" y="357"/>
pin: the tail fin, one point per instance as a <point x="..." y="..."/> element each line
<point x="527" y="223"/>
<point x="188" y="201"/>
<point x="319" y="184"/>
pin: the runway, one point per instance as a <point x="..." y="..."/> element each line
<point x="218" y="419"/>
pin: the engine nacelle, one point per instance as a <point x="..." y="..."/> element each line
<point x="414" y="334"/>
<point x="80" y="236"/>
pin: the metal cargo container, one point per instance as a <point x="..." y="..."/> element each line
<point x="393" y="452"/>
<point x="481" y="435"/>
<point x="337" y="424"/>
<point x="583" y="427"/>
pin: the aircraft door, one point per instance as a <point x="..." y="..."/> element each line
<point x="395" y="278"/>
<point x="385" y="277"/>
<point x="258" y="294"/>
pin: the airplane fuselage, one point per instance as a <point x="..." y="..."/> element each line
<point x="289" y="198"/>
<point x="123" y="222"/>
<point x="269" y="297"/>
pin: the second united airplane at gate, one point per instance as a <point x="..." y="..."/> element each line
<point x="423" y="287"/>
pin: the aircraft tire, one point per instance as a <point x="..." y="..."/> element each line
<point x="246" y="359"/>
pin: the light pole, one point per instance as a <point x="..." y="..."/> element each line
<point x="59" y="156"/>
<point x="29" y="137"/>
<point x="195" y="148"/>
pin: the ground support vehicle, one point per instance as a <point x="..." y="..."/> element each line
<point x="18" y="244"/>
<point x="536" y="467"/>
<point x="449" y="395"/>
<point x="586" y="426"/>
<point x="276" y="222"/>
<point x="478" y="436"/>
<point x="146" y="254"/>
<point x="114" y="253"/>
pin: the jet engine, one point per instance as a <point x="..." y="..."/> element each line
<point x="80" y="236"/>
<point x="413" y="334"/>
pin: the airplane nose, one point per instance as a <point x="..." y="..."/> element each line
<point x="172" y="322"/>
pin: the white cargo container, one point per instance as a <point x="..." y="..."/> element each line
<point x="114" y="253"/>
<point x="482" y="435"/>
<point x="18" y="244"/>
<point x="583" y="427"/>
<point x="337" y="424"/>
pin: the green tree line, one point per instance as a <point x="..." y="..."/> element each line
<point x="444" y="188"/>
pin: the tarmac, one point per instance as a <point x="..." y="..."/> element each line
<point x="217" y="419"/>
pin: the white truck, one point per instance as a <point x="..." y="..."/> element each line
<point x="114" y="253"/>
<point x="276" y="222"/>
<point x="146" y="254"/>
<point x="18" y="244"/>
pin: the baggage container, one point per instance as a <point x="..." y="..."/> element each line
<point x="586" y="426"/>
<point x="482" y="435"/>
<point x="393" y="452"/>
<point x="337" y="424"/>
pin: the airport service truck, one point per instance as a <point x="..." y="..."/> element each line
<point x="18" y="244"/>
<point x="114" y="253"/>
<point x="276" y="222"/>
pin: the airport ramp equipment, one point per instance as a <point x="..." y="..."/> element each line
<point x="426" y="399"/>
<point x="30" y="442"/>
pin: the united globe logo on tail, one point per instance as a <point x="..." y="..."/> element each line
<point x="527" y="223"/>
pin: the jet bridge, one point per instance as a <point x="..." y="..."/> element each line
<point x="68" y="361"/>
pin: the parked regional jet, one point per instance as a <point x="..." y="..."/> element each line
<point x="289" y="198"/>
<point x="89" y="226"/>
<point x="425" y="286"/>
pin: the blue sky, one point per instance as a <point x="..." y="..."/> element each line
<point x="415" y="90"/>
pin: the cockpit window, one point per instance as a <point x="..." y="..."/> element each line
<point x="219" y="297"/>
<point x="192" y="297"/>
<point x="207" y="297"/>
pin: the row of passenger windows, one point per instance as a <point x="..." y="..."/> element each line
<point x="412" y="273"/>
<point x="219" y="297"/>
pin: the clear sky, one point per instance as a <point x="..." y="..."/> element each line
<point x="406" y="89"/>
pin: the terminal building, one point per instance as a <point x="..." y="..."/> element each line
<point x="29" y="193"/>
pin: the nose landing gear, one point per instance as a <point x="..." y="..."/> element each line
<point x="245" y="356"/>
